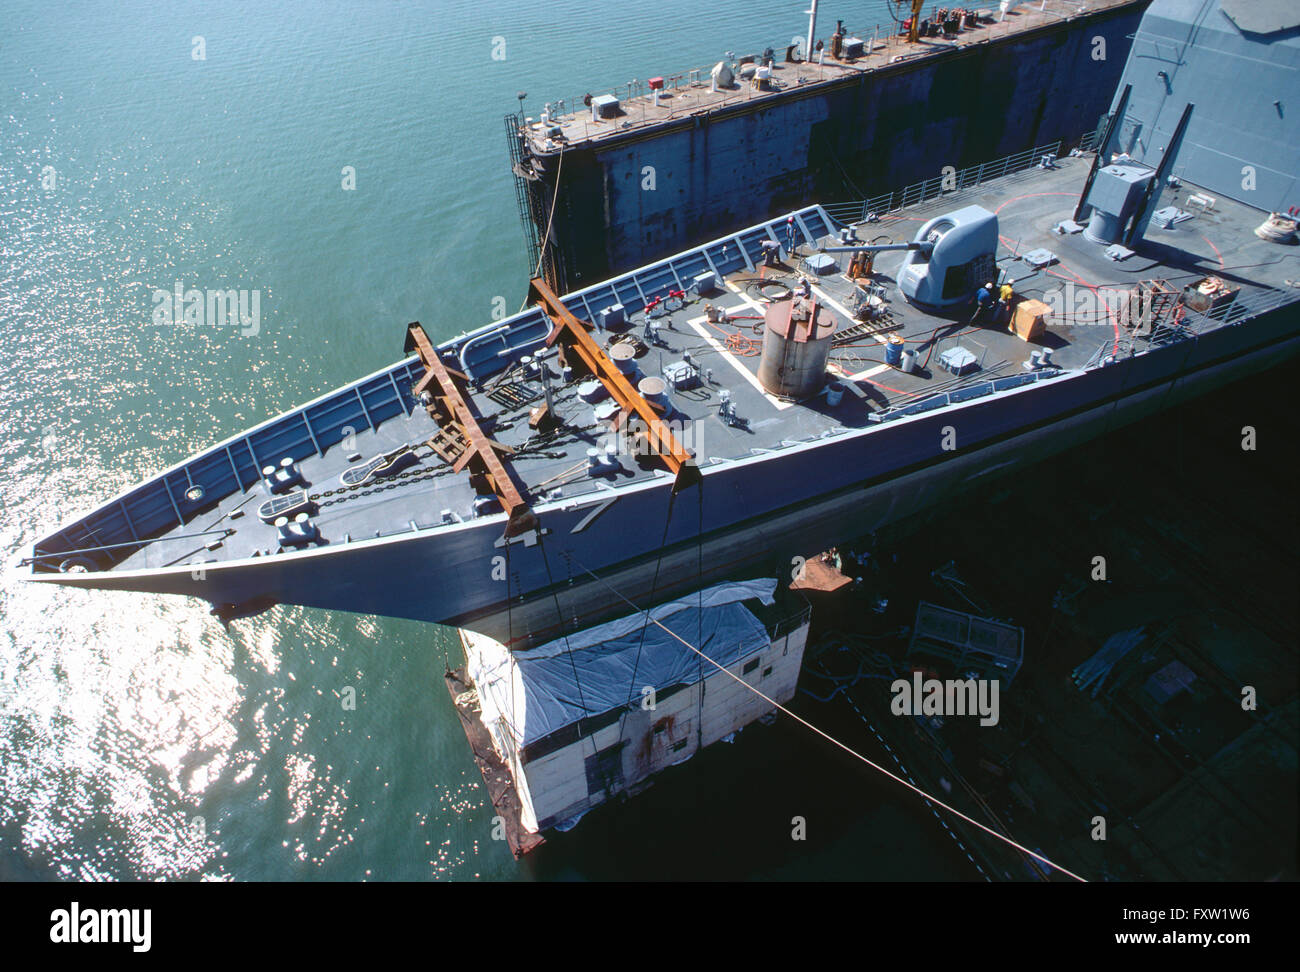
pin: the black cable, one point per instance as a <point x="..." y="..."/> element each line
<point x="559" y="616"/>
<point x="631" y="689"/>
<point x="699" y="610"/>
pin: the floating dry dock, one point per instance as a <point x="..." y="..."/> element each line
<point x="655" y="165"/>
<point x="566" y="726"/>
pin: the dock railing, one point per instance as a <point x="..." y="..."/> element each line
<point x="884" y="43"/>
<point x="943" y="184"/>
<point x="882" y="38"/>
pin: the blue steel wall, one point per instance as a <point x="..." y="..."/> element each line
<point x="1234" y="80"/>
<point x="861" y="137"/>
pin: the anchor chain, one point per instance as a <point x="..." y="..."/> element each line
<point x="366" y="489"/>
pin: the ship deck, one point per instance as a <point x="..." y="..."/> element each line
<point x="690" y="92"/>
<point x="551" y="467"/>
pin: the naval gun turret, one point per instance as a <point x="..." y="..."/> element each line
<point x="947" y="260"/>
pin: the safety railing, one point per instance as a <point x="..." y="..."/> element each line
<point x="958" y="395"/>
<point x="943" y="184"/>
<point x="885" y="41"/>
<point x="1244" y="307"/>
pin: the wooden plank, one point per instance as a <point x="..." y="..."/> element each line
<point x="569" y="330"/>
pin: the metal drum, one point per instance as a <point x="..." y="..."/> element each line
<point x="796" y="348"/>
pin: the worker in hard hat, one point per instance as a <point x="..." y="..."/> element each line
<point x="804" y="289"/>
<point x="983" y="302"/>
<point x="1005" y="296"/>
<point x="771" y="252"/>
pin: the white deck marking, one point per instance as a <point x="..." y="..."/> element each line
<point x="753" y="304"/>
<point x="854" y="387"/>
<point x="698" y="324"/>
<point x="850" y="380"/>
<point x="870" y="372"/>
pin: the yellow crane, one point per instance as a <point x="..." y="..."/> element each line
<point x="914" y="27"/>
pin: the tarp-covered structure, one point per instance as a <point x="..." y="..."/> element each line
<point x="537" y="692"/>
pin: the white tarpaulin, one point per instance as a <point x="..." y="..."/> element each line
<point x="602" y="668"/>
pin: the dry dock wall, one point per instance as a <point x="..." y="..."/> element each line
<point x="841" y="140"/>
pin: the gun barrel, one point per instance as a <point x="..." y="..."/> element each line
<point x="877" y="247"/>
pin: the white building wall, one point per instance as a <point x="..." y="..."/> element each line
<point x="554" y="787"/>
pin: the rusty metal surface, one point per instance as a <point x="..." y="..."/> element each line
<point x="496" y="775"/>
<point x="570" y="332"/>
<point x="685" y="97"/>
<point x="481" y="456"/>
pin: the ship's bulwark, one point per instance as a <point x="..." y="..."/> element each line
<point x="863" y="482"/>
<point x="856" y="137"/>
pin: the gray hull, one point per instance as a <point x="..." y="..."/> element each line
<point x="642" y="542"/>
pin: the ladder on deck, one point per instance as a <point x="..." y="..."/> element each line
<point x="864" y="329"/>
<point x="449" y="442"/>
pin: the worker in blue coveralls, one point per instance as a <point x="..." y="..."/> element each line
<point x="983" y="302"/>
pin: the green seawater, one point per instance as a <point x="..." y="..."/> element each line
<point x="138" y="738"/>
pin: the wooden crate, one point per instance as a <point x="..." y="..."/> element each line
<point x="1029" y="319"/>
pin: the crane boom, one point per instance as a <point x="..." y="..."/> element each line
<point x="914" y="26"/>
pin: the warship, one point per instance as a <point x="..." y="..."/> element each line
<point x="743" y="403"/>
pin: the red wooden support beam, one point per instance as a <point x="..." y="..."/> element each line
<point x="573" y="334"/>
<point x="482" y="455"/>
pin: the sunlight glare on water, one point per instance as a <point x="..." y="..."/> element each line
<point x="139" y="739"/>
